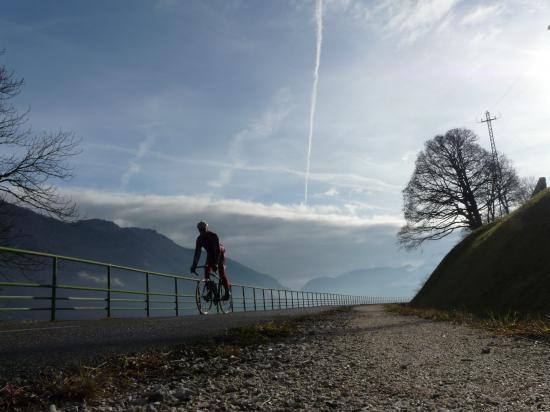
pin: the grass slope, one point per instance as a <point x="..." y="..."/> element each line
<point x="502" y="267"/>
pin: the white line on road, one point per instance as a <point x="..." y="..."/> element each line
<point x="33" y="329"/>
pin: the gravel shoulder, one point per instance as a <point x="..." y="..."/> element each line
<point x="366" y="359"/>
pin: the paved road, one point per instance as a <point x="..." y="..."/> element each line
<point x="24" y="346"/>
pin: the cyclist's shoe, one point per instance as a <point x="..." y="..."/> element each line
<point x="227" y="296"/>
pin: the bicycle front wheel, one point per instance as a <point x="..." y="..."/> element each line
<point x="204" y="296"/>
<point x="227" y="304"/>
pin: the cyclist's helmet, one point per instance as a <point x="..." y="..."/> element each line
<point x="202" y="226"/>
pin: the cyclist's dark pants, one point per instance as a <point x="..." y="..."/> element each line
<point x="221" y="270"/>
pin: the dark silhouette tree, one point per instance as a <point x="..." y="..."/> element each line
<point x="452" y="188"/>
<point x="30" y="161"/>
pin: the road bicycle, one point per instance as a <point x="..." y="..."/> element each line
<point x="210" y="292"/>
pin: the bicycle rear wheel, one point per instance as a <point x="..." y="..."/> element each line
<point x="224" y="305"/>
<point x="204" y="296"/>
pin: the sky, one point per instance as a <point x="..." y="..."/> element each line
<point x="191" y="110"/>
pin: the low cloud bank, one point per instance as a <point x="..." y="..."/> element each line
<point x="291" y="242"/>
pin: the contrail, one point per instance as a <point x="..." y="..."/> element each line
<point x="319" y="20"/>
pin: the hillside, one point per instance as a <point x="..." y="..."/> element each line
<point x="104" y="241"/>
<point x="501" y="267"/>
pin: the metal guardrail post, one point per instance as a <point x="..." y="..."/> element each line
<point x="176" y="293"/>
<point x="271" y="290"/>
<point x="109" y="291"/>
<point x="54" y="288"/>
<point x="147" y="306"/>
<point x="244" y="298"/>
<point x="279" y="296"/>
<point x="286" y="300"/>
<point x="263" y="297"/>
<point x="254" y="292"/>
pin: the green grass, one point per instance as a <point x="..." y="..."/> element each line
<point x="258" y="334"/>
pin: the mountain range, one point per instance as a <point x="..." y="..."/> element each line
<point x="377" y="281"/>
<point x="104" y="241"/>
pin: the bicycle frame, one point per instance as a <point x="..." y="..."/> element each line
<point x="214" y="286"/>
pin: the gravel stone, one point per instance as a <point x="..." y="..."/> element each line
<point x="365" y="360"/>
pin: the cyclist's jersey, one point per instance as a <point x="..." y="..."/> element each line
<point x="211" y="242"/>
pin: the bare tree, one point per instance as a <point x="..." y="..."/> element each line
<point x="29" y="161"/>
<point x="451" y="188"/>
<point x="504" y="190"/>
<point x="525" y="188"/>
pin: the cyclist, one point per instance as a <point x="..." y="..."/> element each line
<point x="215" y="255"/>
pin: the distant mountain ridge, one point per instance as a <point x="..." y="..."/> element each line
<point x="377" y="281"/>
<point x="104" y="241"/>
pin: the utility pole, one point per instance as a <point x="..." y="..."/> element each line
<point x="496" y="172"/>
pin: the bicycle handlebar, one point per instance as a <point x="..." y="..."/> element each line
<point x="204" y="267"/>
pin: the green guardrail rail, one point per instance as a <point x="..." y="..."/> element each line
<point x="249" y="298"/>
